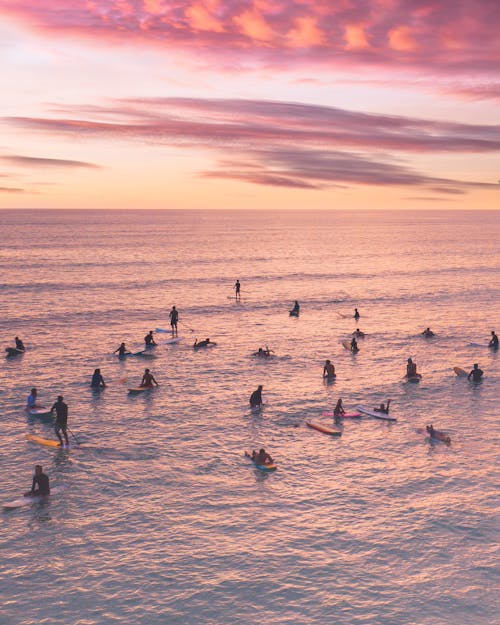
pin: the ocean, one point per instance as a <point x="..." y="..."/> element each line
<point x="158" y="518"/>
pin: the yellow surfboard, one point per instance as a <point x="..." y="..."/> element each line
<point x="42" y="441"/>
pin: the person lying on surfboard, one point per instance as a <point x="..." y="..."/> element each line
<point x="148" y="379"/>
<point x="383" y="408"/>
<point x="42" y="481"/>
<point x="261" y="457"/>
<point x="329" y="370"/>
<point x="428" y="332"/>
<point x="202" y="343"/>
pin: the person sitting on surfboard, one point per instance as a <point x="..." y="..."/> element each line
<point x="97" y="379"/>
<point x="329" y="370"/>
<point x="493" y="341"/>
<point x="359" y="334"/>
<point x="338" y="411"/>
<point x="296" y="309"/>
<point x="411" y="369"/>
<point x="354" y="345"/>
<point x="256" y="397"/>
<point x="383" y="408"/>
<point x="174" y="318"/>
<point x="261" y="457"/>
<point x="356" y="314"/>
<point x="428" y="332"/>
<point x="19" y="344"/>
<point x="149" y="340"/>
<point x="148" y="379"/>
<point x="42" y="481"/>
<point x="476" y="374"/>
<point x="122" y="350"/>
<point x="61" y="419"/>
<point x="31" y="401"/>
<point x="202" y="343"/>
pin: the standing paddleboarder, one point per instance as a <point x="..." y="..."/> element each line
<point x="174" y="318"/>
<point x="61" y="419"/>
<point x="237" y="289"/>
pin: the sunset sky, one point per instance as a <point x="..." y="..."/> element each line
<point x="250" y="104"/>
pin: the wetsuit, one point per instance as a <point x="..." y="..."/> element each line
<point x="61" y="420"/>
<point x="42" y="481"/>
<point x="97" y="380"/>
<point x="256" y="398"/>
<point x="476" y="375"/>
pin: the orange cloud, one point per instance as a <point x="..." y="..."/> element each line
<point x="305" y="33"/>
<point x="401" y="39"/>
<point x="201" y="19"/>
<point x="355" y="36"/>
<point x="254" y="26"/>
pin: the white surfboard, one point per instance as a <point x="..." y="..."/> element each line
<point x="374" y="413"/>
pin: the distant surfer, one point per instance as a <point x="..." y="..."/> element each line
<point x="261" y="457"/>
<point x="148" y="379"/>
<point x="358" y="334"/>
<point x="19" y="344"/>
<point x="338" y="411"/>
<point x="97" y="379"/>
<point x="149" y="339"/>
<point x="356" y="314"/>
<point x="428" y="333"/>
<point x="383" y="407"/>
<point x="42" y="481"/>
<point x="237" y="289"/>
<point x="295" y="310"/>
<point x="256" y="397"/>
<point x="31" y="401"/>
<point x="202" y="343"/>
<point x="262" y="353"/>
<point x="493" y="341"/>
<point x="354" y="345"/>
<point x="174" y="318"/>
<point x="476" y="374"/>
<point x="122" y="350"/>
<point x="61" y="419"/>
<point x="329" y="370"/>
<point x="411" y="369"/>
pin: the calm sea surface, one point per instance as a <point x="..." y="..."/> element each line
<point x="159" y="519"/>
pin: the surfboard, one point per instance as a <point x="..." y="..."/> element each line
<point x="261" y="467"/>
<point x="460" y="372"/>
<point x="414" y="379"/>
<point x="43" y="413"/>
<point x="437" y="436"/>
<point x="198" y="346"/>
<point x="144" y="354"/>
<point x="294" y="313"/>
<point x="373" y="413"/>
<point x="323" y="428"/>
<point x="29" y="501"/>
<point x="479" y="344"/>
<point x="13" y="351"/>
<point x="45" y="441"/>
<point x="175" y="339"/>
<point x="139" y="389"/>
<point x="347" y="415"/>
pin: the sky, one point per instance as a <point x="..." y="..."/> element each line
<point x="250" y="104"/>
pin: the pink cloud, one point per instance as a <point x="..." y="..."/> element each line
<point x="307" y="146"/>
<point x="32" y="161"/>
<point x="438" y="35"/>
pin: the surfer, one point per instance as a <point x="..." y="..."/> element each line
<point x="359" y="334"/>
<point x="42" y="481"/>
<point x="428" y="332"/>
<point x="148" y="379"/>
<point x="174" y="318"/>
<point x="354" y="345"/>
<point x="202" y="343"/>
<point x="356" y="314"/>
<point x="411" y="369"/>
<point x="19" y="344"/>
<point x="262" y="353"/>
<point x="61" y="419"/>
<point x="383" y="407"/>
<point x="122" y="350"/>
<point x="329" y="370"/>
<point x="237" y="289"/>
<point x="261" y="457"/>
<point x="476" y="374"/>
<point x="31" y="401"/>
<point x="295" y="310"/>
<point x="430" y="429"/>
<point x="338" y="411"/>
<point x="97" y="379"/>
<point x="493" y="341"/>
<point x="256" y="397"/>
<point x="149" y="340"/>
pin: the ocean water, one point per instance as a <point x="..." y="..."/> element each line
<point x="159" y="518"/>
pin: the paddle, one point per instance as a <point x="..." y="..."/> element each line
<point x="72" y="434"/>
